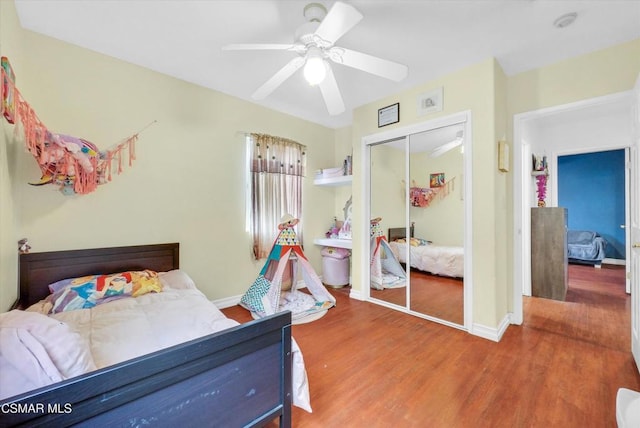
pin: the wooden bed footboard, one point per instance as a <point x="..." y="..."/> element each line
<point x="236" y="377"/>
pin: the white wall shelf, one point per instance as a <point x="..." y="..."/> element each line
<point x="338" y="243"/>
<point x="343" y="180"/>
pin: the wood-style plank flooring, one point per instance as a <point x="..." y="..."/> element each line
<point x="439" y="296"/>
<point x="370" y="366"/>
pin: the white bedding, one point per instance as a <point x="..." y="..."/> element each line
<point x="36" y="350"/>
<point x="435" y="259"/>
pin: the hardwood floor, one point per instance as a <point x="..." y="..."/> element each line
<point x="439" y="296"/>
<point x="369" y="366"/>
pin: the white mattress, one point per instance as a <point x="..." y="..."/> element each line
<point x="35" y="349"/>
<point x="435" y="259"/>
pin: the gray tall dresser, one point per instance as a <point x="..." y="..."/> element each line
<point x="549" y="252"/>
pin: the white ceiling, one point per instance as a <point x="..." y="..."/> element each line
<point x="183" y="38"/>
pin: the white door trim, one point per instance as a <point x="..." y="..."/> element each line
<point x="633" y="257"/>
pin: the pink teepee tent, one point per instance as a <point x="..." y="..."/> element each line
<point x="275" y="289"/>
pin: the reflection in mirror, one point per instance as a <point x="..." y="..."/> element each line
<point x="387" y="207"/>
<point x="436" y="213"/>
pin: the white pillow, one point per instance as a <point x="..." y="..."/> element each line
<point x="176" y="279"/>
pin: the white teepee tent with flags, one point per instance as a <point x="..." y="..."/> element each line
<point x="275" y="289"/>
<point x="386" y="270"/>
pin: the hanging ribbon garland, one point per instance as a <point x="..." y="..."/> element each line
<point x="73" y="164"/>
<point x="424" y="196"/>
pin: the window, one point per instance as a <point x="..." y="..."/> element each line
<point x="276" y="170"/>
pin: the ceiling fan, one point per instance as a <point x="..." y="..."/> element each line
<point x="314" y="44"/>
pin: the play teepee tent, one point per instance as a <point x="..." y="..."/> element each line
<point x="275" y="289"/>
<point x="386" y="270"/>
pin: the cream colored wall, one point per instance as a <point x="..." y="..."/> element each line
<point x="587" y="76"/>
<point x="388" y="170"/>
<point x="469" y="89"/>
<point x="188" y="182"/>
<point x="11" y="47"/>
<point x="442" y="222"/>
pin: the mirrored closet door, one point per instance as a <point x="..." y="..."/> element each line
<point x="388" y="170"/>
<point x="419" y="216"/>
<point x="436" y="212"/>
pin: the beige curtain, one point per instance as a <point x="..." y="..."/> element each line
<point x="277" y="170"/>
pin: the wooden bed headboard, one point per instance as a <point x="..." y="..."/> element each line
<point x="399" y="232"/>
<point x="38" y="270"/>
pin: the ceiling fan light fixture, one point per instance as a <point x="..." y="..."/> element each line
<point x="314" y="12"/>
<point x="315" y="68"/>
<point x="315" y="45"/>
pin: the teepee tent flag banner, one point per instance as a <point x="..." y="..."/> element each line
<point x="275" y="289"/>
<point x="386" y="270"/>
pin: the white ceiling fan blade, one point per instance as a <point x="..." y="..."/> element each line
<point x="276" y="80"/>
<point x="340" y="19"/>
<point x="331" y="93"/>
<point x="257" y="46"/>
<point x="371" y="64"/>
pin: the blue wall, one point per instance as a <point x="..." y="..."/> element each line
<point x="591" y="187"/>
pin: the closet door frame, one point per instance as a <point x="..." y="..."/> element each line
<point x="465" y="119"/>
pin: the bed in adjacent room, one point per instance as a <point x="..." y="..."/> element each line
<point x="80" y="348"/>
<point x="426" y="256"/>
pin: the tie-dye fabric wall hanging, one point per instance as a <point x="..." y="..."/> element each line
<point x="73" y="164"/>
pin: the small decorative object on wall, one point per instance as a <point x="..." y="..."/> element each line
<point x="388" y="115"/>
<point x="430" y="102"/>
<point x="503" y="156"/>
<point x="73" y="164"/>
<point x="436" y="180"/>
<point x="7" y="82"/>
<point x="23" y="246"/>
<point x="540" y="172"/>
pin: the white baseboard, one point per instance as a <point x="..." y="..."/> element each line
<point x="356" y="294"/>
<point x="227" y="302"/>
<point x="491" y="333"/>
<point x="620" y="262"/>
